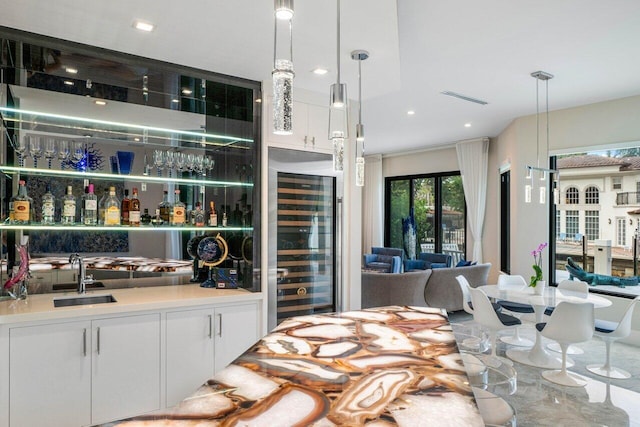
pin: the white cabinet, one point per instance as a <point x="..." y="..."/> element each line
<point x="310" y="128"/>
<point x="126" y="367"/>
<point x="50" y="375"/>
<point x="189" y="352"/>
<point x="237" y="329"/>
<point x="203" y="341"/>
<point x="81" y="373"/>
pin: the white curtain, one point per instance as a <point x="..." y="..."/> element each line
<point x="372" y="204"/>
<point x="473" y="158"/>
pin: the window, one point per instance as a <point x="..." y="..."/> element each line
<point x="572" y="196"/>
<point x="592" y="195"/>
<point x="558" y="224"/>
<point x="592" y="224"/>
<point x="621" y="231"/>
<point x="572" y="223"/>
<point x="616" y="183"/>
<point x="438" y="207"/>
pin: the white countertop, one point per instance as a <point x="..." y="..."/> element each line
<point x="40" y="307"/>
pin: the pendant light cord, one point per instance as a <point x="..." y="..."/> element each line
<point x="360" y="101"/>
<point x="338" y="43"/>
<point x="537" y="123"/>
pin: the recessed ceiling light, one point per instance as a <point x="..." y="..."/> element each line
<point x="100" y="102"/>
<point x="71" y="70"/>
<point x="141" y="25"/>
<point x="68" y="82"/>
<point x="467" y="125"/>
<point x="411" y="112"/>
<point x="320" y="71"/>
<point x="187" y="91"/>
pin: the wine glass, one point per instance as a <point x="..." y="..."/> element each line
<point x="63" y="151"/>
<point x="181" y="160"/>
<point x="21" y="147"/>
<point x="170" y="161"/>
<point x="198" y="164"/>
<point x="49" y="150"/>
<point x="189" y="163"/>
<point x="158" y="160"/>
<point x="209" y="164"/>
<point x="35" y="149"/>
<point x="78" y="151"/>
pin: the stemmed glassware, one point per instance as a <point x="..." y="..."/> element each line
<point x="78" y="151"/>
<point x="63" y="151"/>
<point x="181" y="159"/>
<point x="169" y="161"/>
<point x="35" y="149"/>
<point x="49" y="150"/>
<point x="158" y="160"/>
<point x="22" y="145"/>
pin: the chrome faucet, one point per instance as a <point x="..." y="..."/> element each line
<point x="83" y="280"/>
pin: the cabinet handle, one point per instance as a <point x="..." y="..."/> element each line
<point x="313" y="142"/>
<point x="305" y="141"/>
<point x="84" y="342"/>
<point x="98" y="340"/>
<point x="220" y="325"/>
<point x="210" y="326"/>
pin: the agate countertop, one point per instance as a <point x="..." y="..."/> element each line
<point x="384" y="366"/>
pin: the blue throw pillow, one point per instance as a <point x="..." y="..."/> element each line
<point x="463" y="263"/>
<point x="438" y="265"/>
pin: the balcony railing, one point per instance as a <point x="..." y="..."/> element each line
<point x="628" y="198"/>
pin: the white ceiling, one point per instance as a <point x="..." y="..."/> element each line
<point x="419" y="48"/>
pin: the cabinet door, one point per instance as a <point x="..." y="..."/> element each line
<point x="318" y="127"/>
<point x="126" y="367"/>
<point x="50" y="375"/>
<point x="236" y="330"/>
<point x="189" y="352"/>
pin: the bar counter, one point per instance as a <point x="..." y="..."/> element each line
<point x="384" y="366"/>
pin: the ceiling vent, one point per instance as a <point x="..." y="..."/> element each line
<point x="464" y="97"/>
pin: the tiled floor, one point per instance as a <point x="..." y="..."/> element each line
<point x="602" y="402"/>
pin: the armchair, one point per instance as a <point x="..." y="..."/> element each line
<point x="386" y="260"/>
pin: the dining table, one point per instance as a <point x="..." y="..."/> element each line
<point x="538" y="355"/>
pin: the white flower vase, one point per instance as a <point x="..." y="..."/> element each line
<point x="540" y="287"/>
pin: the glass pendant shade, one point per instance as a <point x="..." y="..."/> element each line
<point x="338" y="95"/>
<point x="283" y="9"/>
<point x="543" y="195"/>
<point x="360" y="132"/>
<point x="282" y="97"/>
<point x="338" y="154"/>
<point x="338" y="118"/>
<point x="527" y="193"/>
<point x="360" y="171"/>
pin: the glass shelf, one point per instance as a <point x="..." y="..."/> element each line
<point x="82" y="127"/>
<point x="111" y="176"/>
<point x="80" y="227"/>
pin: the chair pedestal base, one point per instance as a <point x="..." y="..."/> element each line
<point x="539" y="359"/>
<point x="517" y="340"/>
<point x="565" y="378"/>
<point x="554" y="346"/>
<point x="609" y="371"/>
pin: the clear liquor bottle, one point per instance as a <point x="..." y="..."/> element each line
<point x="48" y="207"/>
<point x="198" y="216"/>
<point x="178" y="211"/>
<point x="134" y="209"/>
<point x="125" y="206"/>
<point x="90" y="207"/>
<point x="22" y="205"/>
<point x="69" y="207"/>
<point x="165" y="207"/>
<point x="213" y="215"/>
<point x="112" y="208"/>
<point x="101" y="203"/>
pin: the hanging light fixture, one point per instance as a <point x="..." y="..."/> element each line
<point x="542" y="171"/>
<point x="359" y="55"/>
<point x="338" y="111"/>
<point x="282" y="70"/>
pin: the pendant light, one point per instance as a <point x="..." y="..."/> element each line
<point x="542" y="171"/>
<point x="282" y="70"/>
<point x="359" y="55"/>
<point x="338" y="108"/>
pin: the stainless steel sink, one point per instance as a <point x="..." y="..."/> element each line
<point x="84" y="300"/>
<point x="74" y="286"/>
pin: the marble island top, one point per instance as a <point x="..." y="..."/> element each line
<point x="385" y="366"/>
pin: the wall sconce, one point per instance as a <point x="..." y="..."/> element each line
<point x="630" y="222"/>
<point x="609" y="221"/>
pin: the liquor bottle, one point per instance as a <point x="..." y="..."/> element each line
<point x="157" y="218"/>
<point x="178" y="211"/>
<point x="22" y="205"/>
<point x="236" y="216"/>
<point x="248" y="217"/>
<point x="224" y="219"/>
<point x="112" y="208"/>
<point x="165" y="207"/>
<point x="103" y="199"/>
<point x="145" y="218"/>
<point x="48" y="207"/>
<point x="198" y="216"/>
<point x="90" y="207"/>
<point x="213" y="215"/>
<point x="125" y="205"/>
<point x="69" y="207"/>
<point x="134" y="209"/>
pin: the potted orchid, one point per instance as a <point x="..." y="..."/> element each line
<point x="537" y="265"/>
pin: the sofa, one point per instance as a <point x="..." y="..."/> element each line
<point x="433" y="287"/>
<point x="427" y="260"/>
<point x="384" y="260"/>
